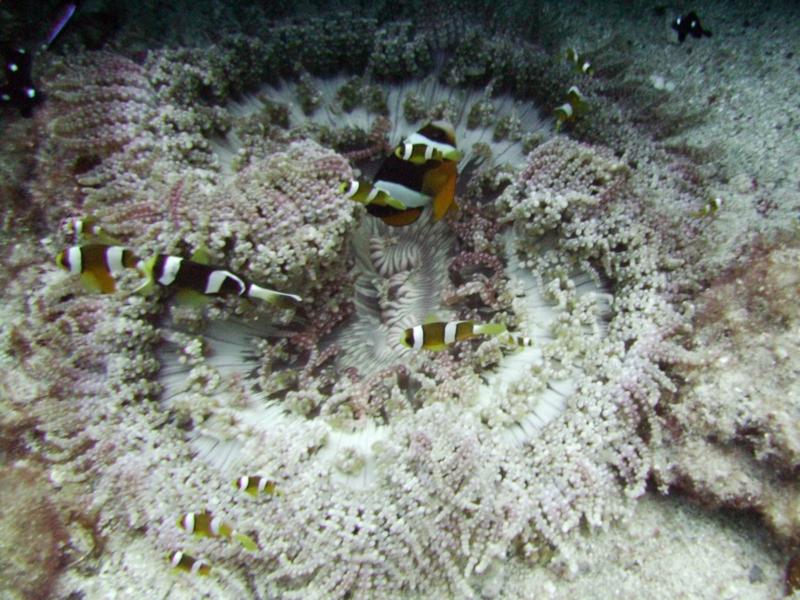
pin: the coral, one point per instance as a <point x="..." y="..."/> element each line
<point x="734" y="427"/>
<point x="33" y="534"/>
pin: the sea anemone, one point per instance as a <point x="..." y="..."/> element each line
<point x="399" y="471"/>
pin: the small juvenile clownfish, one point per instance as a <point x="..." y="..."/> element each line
<point x="438" y="335"/>
<point x="255" y="485"/>
<point x="418" y="185"/>
<point x="366" y="193"/>
<point x="19" y="90"/>
<point x="515" y="339"/>
<point x="204" y="524"/>
<point x="575" y="105"/>
<point x="189" y="564"/>
<point x="88" y="229"/>
<point x="98" y="264"/>
<point x="709" y="209"/>
<point x="689" y="25"/>
<point x="208" y="280"/>
<point x="579" y="62"/>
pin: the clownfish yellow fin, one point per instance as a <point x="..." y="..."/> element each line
<point x="246" y="541"/>
<point x="432" y="318"/>
<point x="402" y="218"/>
<point x="191" y="298"/>
<point x="101" y="283"/>
<point x="201" y="256"/>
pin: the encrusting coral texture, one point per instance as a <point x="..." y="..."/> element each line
<point x="398" y="471"/>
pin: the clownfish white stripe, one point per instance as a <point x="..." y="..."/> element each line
<point x="176" y="559"/>
<point x="567" y="108"/>
<point x="353" y="189"/>
<point x="196" y="566"/>
<point x="216" y="524"/>
<point x="217" y="279"/>
<point x="244" y="481"/>
<point x="450" y="331"/>
<point x="373" y="193"/>
<point x="418" y="337"/>
<point x="114" y="259"/>
<point x="188" y="522"/>
<point x="408" y="150"/>
<point x="170" y="270"/>
<point x="418" y="138"/>
<point x="407" y="196"/>
<point x="262" y="484"/>
<point x="75" y="258"/>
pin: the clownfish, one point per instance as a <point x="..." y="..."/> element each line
<point x="689" y="25"/>
<point x="366" y="193"/>
<point x="580" y="63"/>
<point x="421" y="152"/>
<point x="88" y="229"/>
<point x="438" y="335"/>
<point x="418" y="185"/>
<point x="204" y="524"/>
<point x="255" y="485"/>
<point x="98" y="264"/>
<point x="189" y="564"/>
<point x="19" y="90"/>
<point x="207" y="280"/>
<point x="575" y="105"/>
<point x="710" y="208"/>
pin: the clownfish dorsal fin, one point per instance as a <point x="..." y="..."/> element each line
<point x="201" y="256"/>
<point x="432" y="318"/>
<point x="490" y="329"/>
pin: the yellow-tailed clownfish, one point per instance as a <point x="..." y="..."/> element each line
<point x="417" y="185"/>
<point x="204" y="524"/>
<point x="208" y="280"/>
<point x="579" y="62"/>
<point x="98" y="264"/>
<point x="438" y="335"/>
<point x="88" y="229"/>
<point x="255" y="485"/>
<point x="189" y="564"/>
<point x="575" y="105"/>
<point x="710" y="208"/>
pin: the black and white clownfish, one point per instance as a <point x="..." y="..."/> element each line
<point x="419" y="184"/>
<point x="437" y="335"/>
<point x="581" y="64"/>
<point x="99" y="265"/>
<point x="204" y="524"/>
<point x="19" y="90"/>
<point x="208" y="280"/>
<point x="181" y="561"/>
<point x="256" y="485"/>
<point x="689" y="25"/>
